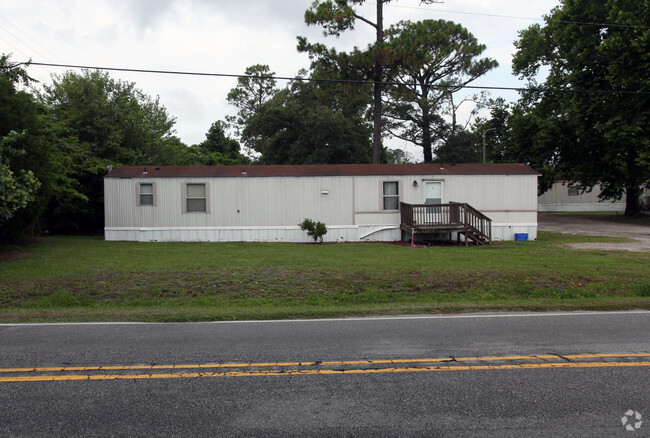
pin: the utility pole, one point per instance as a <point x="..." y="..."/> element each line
<point x="378" y="77"/>
<point x="485" y="132"/>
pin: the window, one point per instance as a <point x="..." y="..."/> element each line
<point x="391" y="195"/>
<point x="146" y="194"/>
<point x="195" y="199"/>
<point x="573" y="190"/>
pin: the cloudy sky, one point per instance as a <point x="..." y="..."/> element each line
<point x="219" y="36"/>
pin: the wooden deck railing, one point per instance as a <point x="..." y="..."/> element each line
<point x="460" y="217"/>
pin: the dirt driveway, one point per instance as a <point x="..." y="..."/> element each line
<point x="597" y="225"/>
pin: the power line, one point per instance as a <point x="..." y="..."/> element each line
<point x="482" y="14"/>
<point x="25" y="43"/>
<point x="22" y="41"/>
<point x="341" y="81"/>
<point x="15" y="48"/>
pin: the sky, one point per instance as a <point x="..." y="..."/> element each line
<point x="218" y="36"/>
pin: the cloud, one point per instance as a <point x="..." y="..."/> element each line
<point x="146" y="13"/>
<point x="219" y="36"/>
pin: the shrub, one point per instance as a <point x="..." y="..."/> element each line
<point x="314" y="229"/>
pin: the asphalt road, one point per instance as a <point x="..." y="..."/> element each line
<point x="551" y="374"/>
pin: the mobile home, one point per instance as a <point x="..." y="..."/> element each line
<point x="357" y="202"/>
<point x="565" y="196"/>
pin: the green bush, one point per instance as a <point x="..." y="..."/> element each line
<point x="314" y="229"/>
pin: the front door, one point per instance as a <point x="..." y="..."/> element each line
<point x="433" y="195"/>
<point x="433" y="192"/>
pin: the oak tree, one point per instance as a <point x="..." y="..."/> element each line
<point x="592" y="112"/>
<point x="303" y="128"/>
<point x="101" y="121"/>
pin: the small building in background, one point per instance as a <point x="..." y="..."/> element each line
<point x="357" y="202"/>
<point x="565" y="196"/>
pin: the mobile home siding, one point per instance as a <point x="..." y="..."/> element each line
<point x="557" y="198"/>
<point x="268" y="208"/>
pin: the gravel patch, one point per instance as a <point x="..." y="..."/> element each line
<point x="597" y="225"/>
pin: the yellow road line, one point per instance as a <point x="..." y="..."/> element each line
<point x="323" y="371"/>
<point x="325" y="363"/>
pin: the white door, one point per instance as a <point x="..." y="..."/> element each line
<point x="433" y="195"/>
<point x="433" y="192"/>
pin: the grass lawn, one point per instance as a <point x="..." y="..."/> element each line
<point x="88" y="279"/>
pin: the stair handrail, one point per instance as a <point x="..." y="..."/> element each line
<point x="485" y="222"/>
<point x="472" y="219"/>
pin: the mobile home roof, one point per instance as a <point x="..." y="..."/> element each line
<point x="244" y="171"/>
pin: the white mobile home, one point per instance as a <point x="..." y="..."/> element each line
<point x="357" y="202"/>
<point x="565" y="196"/>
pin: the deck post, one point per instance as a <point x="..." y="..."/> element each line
<point x="465" y="223"/>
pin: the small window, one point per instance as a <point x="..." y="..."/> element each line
<point x="146" y="194"/>
<point x="391" y="195"/>
<point x="573" y="190"/>
<point x="195" y="199"/>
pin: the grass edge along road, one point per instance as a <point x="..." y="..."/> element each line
<point x="87" y="279"/>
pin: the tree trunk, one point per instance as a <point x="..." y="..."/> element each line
<point x="376" y="118"/>
<point x="632" y="206"/>
<point x="378" y="77"/>
<point x="632" y="183"/>
<point x="425" y="108"/>
<point x="426" y="136"/>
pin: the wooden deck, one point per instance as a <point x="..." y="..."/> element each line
<point x="454" y="217"/>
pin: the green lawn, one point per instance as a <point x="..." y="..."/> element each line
<point x="86" y="278"/>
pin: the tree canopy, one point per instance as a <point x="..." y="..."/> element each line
<point x="111" y="119"/>
<point x="56" y="146"/>
<point x="593" y="123"/>
<point x="218" y="148"/>
<point x="252" y="91"/>
<point x="303" y="128"/>
<point x="460" y="147"/>
<point x="17" y="190"/>
<point x="101" y="122"/>
<point x="29" y="172"/>
<point x="336" y="16"/>
<point x="436" y="58"/>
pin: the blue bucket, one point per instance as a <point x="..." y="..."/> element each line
<point x="521" y="237"/>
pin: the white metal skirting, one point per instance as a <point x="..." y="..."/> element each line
<point x="338" y="233"/>
<point x="508" y="231"/>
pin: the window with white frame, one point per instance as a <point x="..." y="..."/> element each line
<point x="146" y="194"/>
<point x="391" y="195"/>
<point x="195" y="198"/>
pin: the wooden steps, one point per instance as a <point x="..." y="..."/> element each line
<point x="460" y="218"/>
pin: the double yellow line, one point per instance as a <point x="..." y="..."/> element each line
<point x="108" y="372"/>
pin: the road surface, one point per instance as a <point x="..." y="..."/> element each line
<point x="530" y="374"/>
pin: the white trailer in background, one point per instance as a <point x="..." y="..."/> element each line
<point x="565" y="196"/>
